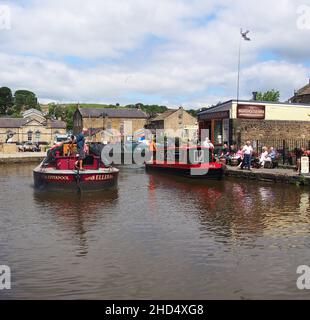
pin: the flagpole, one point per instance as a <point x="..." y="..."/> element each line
<point x="244" y="37"/>
<point x="239" y="63"/>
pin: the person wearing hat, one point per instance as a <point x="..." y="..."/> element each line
<point x="80" y="141"/>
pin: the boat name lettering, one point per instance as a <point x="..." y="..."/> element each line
<point x="51" y="177"/>
<point x="99" y="177"/>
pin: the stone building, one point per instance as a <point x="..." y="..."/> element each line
<point x="175" y="123"/>
<point x="236" y="122"/>
<point x="121" y="122"/>
<point x="33" y="126"/>
<point x="302" y="95"/>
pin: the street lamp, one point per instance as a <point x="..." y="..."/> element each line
<point x="244" y="36"/>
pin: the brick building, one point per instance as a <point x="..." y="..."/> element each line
<point x="302" y="95"/>
<point x="124" y="121"/>
<point x="236" y="122"/>
<point x="175" y="123"/>
<point x="33" y="127"/>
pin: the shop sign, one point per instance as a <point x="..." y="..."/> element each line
<point x="251" y="112"/>
<point x="215" y="115"/>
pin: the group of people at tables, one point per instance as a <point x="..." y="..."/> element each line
<point x="243" y="157"/>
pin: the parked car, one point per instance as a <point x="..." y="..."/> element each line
<point x="29" y="147"/>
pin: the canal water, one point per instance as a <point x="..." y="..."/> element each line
<point x="154" y="237"/>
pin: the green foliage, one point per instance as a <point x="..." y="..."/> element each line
<point x="6" y="100"/>
<point x="24" y="100"/>
<point x="91" y="105"/>
<point x="271" y="95"/>
<point x="151" y="110"/>
<point x="193" y="112"/>
<point x="65" y="112"/>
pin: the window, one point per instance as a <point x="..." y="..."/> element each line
<point x="29" y="133"/>
<point x="218" y="132"/>
<point x="38" y="135"/>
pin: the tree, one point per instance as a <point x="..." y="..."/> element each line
<point x="56" y="111"/>
<point x="6" y="100"/>
<point x="24" y="100"/>
<point x="193" y="112"/>
<point x="270" y="95"/>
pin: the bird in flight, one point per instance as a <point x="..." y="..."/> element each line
<point x="245" y="35"/>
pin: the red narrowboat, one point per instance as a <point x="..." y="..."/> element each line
<point x="192" y="162"/>
<point x="58" y="171"/>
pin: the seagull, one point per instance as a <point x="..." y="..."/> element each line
<point x="245" y="35"/>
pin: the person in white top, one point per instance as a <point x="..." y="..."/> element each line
<point x="247" y="151"/>
<point x="264" y="157"/>
<point x="207" y="143"/>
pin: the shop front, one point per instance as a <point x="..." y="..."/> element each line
<point x="216" y="126"/>
<point x="235" y="122"/>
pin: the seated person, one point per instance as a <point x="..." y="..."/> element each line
<point x="272" y="154"/>
<point x="225" y="151"/>
<point x="264" y="157"/>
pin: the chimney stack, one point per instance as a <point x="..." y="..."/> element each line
<point x="254" y="95"/>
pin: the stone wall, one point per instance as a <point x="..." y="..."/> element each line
<point x="243" y="130"/>
<point x="114" y="123"/>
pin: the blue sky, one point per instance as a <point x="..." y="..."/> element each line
<point x="168" y="52"/>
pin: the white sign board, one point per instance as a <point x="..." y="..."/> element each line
<point x="305" y="165"/>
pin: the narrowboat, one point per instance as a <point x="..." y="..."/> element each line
<point x="192" y="162"/>
<point x="58" y="171"/>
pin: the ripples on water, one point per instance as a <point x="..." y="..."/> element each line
<point x="156" y="236"/>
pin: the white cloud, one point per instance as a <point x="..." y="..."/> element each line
<point x="161" y="50"/>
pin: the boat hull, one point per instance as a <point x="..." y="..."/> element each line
<point x="187" y="171"/>
<point x="74" y="180"/>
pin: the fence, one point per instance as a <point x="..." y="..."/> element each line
<point x="285" y="148"/>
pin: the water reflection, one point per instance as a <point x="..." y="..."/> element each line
<point x="240" y="209"/>
<point x="76" y="212"/>
<point x="157" y="236"/>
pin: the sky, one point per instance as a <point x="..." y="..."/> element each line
<point x="167" y="52"/>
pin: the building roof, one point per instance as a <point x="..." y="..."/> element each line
<point x="32" y="111"/>
<point x="164" y="115"/>
<point x="303" y="91"/>
<point x="57" y="124"/>
<point x="12" y="122"/>
<point x="20" y="122"/>
<point x="230" y="102"/>
<point x="112" y="113"/>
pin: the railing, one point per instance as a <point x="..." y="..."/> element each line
<point x="285" y="148"/>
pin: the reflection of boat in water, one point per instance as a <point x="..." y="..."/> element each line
<point x="57" y="171"/>
<point x="192" y="162"/>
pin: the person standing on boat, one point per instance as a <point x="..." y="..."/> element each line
<point x="207" y="143"/>
<point x="153" y="148"/>
<point x="80" y="141"/>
